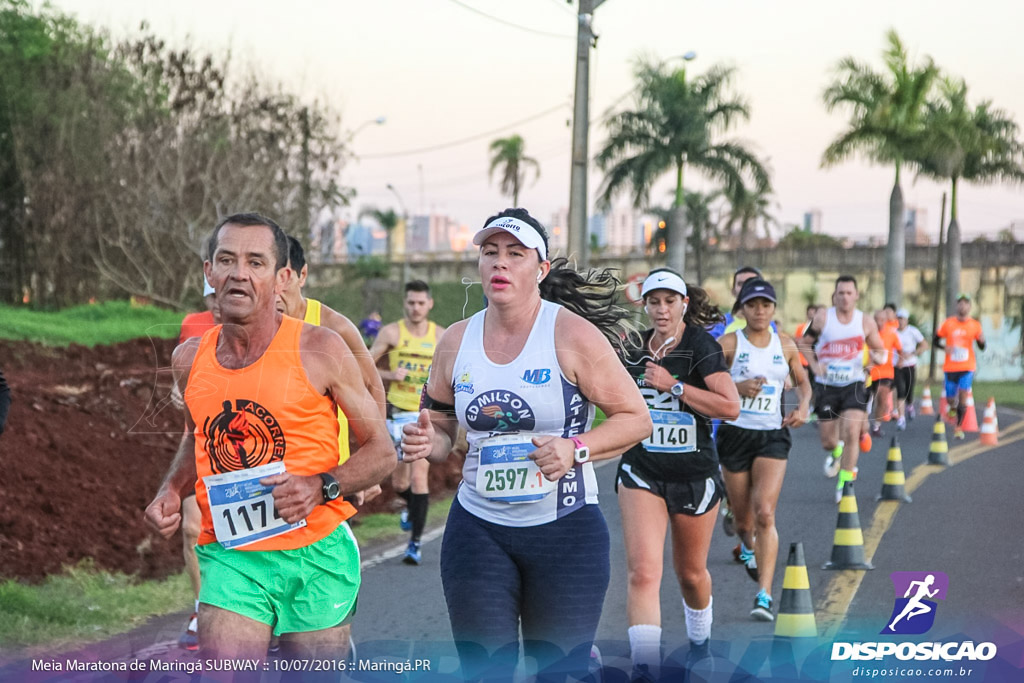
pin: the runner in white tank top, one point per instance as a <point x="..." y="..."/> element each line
<point x="754" y="447"/>
<point x="523" y="550"/>
<point x="834" y="347"/>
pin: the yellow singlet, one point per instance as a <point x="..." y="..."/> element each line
<point x="313" y="308"/>
<point x="415" y="355"/>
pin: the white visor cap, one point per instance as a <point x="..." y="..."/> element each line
<point x="521" y="230"/>
<point x="663" y="280"/>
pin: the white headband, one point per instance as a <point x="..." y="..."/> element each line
<point x="521" y="230"/>
<point x="663" y="279"/>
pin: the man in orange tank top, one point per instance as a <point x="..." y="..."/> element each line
<point x="883" y="375"/>
<point x="261" y="394"/>
<point x="957" y="336"/>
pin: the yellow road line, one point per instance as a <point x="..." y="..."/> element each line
<point x="843" y="587"/>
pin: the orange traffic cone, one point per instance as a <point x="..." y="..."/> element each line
<point x="944" y="408"/>
<point x="989" y="431"/>
<point x="970" y="423"/>
<point x="926" y="401"/>
<point x="995" y="415"/>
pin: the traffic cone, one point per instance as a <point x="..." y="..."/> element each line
<point x="944" y="408"/>
<point x="848" y="544"/>
<point x="970" y="423"/>
<point x="893" y="481"/>
<point x="989" y="431"/>
<point x="926" y="401"/>
<point x="796" y="608"/>
<point x="938" y="452"/>
<point x="995" y="414"/>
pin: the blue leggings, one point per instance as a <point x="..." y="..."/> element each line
<point x="551" y="577"/>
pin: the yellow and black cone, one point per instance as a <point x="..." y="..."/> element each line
<point x="796" y="608"/>
<point x="938" y="452"/>
<point x="893" y="482"/>
<point x="848" y="547"/>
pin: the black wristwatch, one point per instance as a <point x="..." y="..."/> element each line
<point x="330" y="489"/>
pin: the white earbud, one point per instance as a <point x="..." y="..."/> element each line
<point x="540" y="275"/>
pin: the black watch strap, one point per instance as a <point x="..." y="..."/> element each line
<point x="330" y="487"/>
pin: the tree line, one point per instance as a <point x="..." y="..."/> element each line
<point x="118" y="156"/>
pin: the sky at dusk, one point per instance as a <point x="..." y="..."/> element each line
<point x="441" y="73"/>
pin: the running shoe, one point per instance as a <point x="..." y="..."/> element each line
<point x="876" y="431"/>
<point x="700" y="665"/>
<point x="762" y="607"/>
<point x="958" y="434"/>
<point x="742" y="554"/>
<point x="865" y="442"/>
<point x="832" y="460"/>
<point x="642" y="674"/>
<point x="403" y="520"/>
<point x="901" y="425"/>
<point x="189" y="640"/>
<point x="412" y="553"/>
<point x="751" y="567"/>
<point x="843" y="478"/>
<point x="911" y="411"/>
<point x="728" y="522"/>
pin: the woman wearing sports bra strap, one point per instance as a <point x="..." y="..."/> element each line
<point x="671" y="480"/>
<point x="526" y="544"/>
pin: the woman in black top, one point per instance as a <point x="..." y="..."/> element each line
<point x="672" y="478"/>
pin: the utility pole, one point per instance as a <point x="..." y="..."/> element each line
<point x="938" y="289"/>
<point x="579" y="242"/>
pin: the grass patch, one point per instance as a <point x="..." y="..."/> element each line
<point x="1007" y="394"/>
<point x="383" y="526"/>
<point x="84" y="605"/>
<point x="109" y="322"/>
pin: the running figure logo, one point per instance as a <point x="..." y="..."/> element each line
<point x="241" y="436"/>
<point x="914" y="612"/>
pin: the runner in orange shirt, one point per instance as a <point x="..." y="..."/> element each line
<point x="957" y="335"/>
<point x="883" y="375"/>
<point x="261" y="452"/>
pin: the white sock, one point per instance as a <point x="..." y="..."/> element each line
<point x="698" y="622"/>
<point x="645" y="645"/>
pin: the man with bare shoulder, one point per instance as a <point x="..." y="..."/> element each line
<point x="292" y="302"/>
<point x="409" y="345"/>
<point x="260" y="449"/>
<point x="834" y="347"/>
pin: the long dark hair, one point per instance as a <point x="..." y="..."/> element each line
<point x="591" y="295"/>
<point x="700" y="311"/>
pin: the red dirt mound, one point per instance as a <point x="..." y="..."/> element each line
<point x="88" y="440"/>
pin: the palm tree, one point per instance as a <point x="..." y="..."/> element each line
<point x="703" y="228"/>
<point x="747" y="208"/>
<point x="977" y="145"/>
<point x="675" y="123"/>
<point x="508" y="153"/>
<point x="387" y="219"/>
<point x="886" y="118"/>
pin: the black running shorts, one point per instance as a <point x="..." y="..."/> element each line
<point x="737" y="447"/>
<point x="834" y="401"/>
<point x="693" y="497"/>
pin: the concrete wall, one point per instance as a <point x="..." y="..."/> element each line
<point x="993" y="273"/>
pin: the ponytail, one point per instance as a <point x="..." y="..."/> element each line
<point x="700" y="311"/>
<point x="591" y="296"/>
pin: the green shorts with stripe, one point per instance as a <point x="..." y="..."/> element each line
<point x="294" y="591"/>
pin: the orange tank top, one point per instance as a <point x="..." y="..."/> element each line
<point x="262" y="413"/>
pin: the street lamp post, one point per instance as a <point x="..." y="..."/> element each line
<point x="405" y="232"/>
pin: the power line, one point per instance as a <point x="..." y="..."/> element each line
<point x="462" y="141"/>
<point x="546" y="34"/>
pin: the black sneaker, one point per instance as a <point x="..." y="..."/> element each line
<point x="641" y="674"/>
<point x="762" y="607"/>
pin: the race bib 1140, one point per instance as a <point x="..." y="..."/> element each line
<point x="674" y="432"/>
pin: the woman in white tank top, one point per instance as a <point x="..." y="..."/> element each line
<point x="754" y="447"/>
<point x="525" y="545"/>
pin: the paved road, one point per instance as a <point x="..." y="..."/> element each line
<point x="965" y="521"/>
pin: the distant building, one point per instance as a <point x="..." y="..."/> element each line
<point x="329" y="243"/>
<point x="915" y="226"/>
<point x="596" y="228"/>
<point x="812" y="221"/>
<point x="623" y="233"/>
<point x="558" y="230"/>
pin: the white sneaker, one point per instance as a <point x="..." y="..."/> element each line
<point x="833" y="460"/>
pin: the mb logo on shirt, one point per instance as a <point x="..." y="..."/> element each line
<point x="542" y="376"/>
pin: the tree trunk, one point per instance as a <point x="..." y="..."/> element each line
<point x="675" y="254"/>
<point x="698" y="253"/>
<point x="953" y="258"/>
<point x="895" y="249"/>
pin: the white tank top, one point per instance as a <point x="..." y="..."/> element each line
<point x="840" y="350"/>
<point x="764" y="411"/>
<point x="502" y="407"/>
